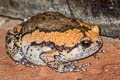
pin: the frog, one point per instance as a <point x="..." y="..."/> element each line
<point x="55" y="40"/>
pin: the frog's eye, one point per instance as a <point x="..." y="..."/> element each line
<point x="86" y="43"/>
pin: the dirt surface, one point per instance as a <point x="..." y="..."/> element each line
<point x="107" y="68"/>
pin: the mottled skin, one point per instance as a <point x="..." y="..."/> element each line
<point x="54" y="40"/>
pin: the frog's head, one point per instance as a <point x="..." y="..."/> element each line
<point x="90" y="43"/>
<point x="87" y="42"/>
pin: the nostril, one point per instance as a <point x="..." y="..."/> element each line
<point x="97" y="41"/>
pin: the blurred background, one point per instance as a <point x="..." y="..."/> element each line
<point x="104" y="13"/>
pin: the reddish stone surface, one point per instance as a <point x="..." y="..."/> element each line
<point x="107" y="68"/>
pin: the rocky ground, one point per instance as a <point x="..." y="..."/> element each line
<point x="107" y="68"/>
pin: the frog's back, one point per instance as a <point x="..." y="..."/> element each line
<point x="49" y="22"/>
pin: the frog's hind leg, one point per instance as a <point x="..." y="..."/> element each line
<point x="49" y="58"/>
<point x="32" y="52"/>
<point x="13" y="45"/>
<point x="27" y="63"/>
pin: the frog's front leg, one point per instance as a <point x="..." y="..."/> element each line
<point x="100" y="51"/>
<point x="103" y="51"/>
<point x="49" y="58"/>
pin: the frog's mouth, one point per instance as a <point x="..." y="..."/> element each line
<point x="93" y="48"/>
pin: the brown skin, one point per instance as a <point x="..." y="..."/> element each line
<point x="67" y="40"/>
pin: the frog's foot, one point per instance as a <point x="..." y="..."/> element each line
<point x="96" y="57"/>
<point x="49" y="58"/>
<point x="17" y="62"/>
<point x="100" y="51"/>
<point x="70" y="67"/>
<point x="84" y="65"/>
<point x="26" y="63"/>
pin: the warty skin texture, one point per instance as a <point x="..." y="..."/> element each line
<point x="54" y="40"/>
